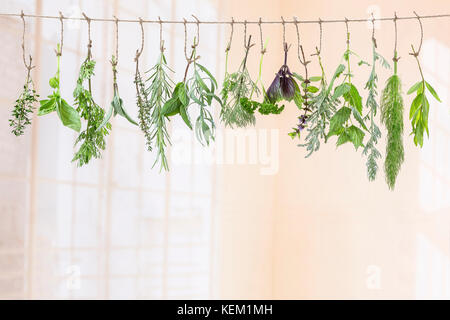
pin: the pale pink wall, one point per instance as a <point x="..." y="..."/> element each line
<point x="319" y="228"/>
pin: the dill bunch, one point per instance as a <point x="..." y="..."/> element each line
<point x="92" y="139"/>
<point x="23" y="108"/>
<point x="370" y="149"/>
<point x="392" y="118"/>
<point x="235" y="86"/>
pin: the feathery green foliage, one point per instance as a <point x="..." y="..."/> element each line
<point x="420" y="107"/>
<point x="150" y="102"/>
<point x="392" y="118"/>
<point x="92" y="139"/>
<point x="323" y="106"/>
<point x="23" y="108"/>
<point x="68" y="115"/>
<point x="370" y="150"/>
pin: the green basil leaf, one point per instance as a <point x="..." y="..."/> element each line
<point x="68" y="115"/>
<point x="47" y="106"/>
<point x="185" y="116"/>
<point x="171" y="107"/>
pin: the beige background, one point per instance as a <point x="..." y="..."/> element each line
<point x="316" y="229"/>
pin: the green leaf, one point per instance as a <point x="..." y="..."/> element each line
<point x="47" y="106"/>
<point x="432" y="91"/>
<point x="343" y="138"/>
<point x="354" y="98"/>
<point x="415" y="87"/>
<point x="415" y="105"/>
<point x="315" y="79"/>
<point x="312" y="89"/>
<point x="341" y="90"/>
<point x="298" y="77"/>
<point x="108" y="116"/>
<point x="185" y="116"/>
<point x="356" y="136"/>
<point x="183" y="96"/>
<point x="338" y="119"/>
<point x="171" y="107"/>
<point x="213" y="80"/>
<point x="359" y="118"/>
<point x="68" y="115"/>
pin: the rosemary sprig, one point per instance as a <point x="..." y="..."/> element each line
<point x="151" y="100"/>
<point x="420" y="106"/>
<point x="67" y="114"/>
<point x="23" y="108"/>
<point x="92" y="139"/>
<point x="370" y="149"/>
<point x="235" y="86"/>
<point x="392" y="118"/>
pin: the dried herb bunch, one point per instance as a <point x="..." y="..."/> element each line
<point x="370" y="149"/>
<point x="236" y="86"/>
<point x="67" y="114"/>
<point x="420" y="106"/>
<point x="340" y="123"/>
<point x="92" y="139"/>
<point x="392" y="118"/>
<point x="23" y="108"/>
<point x="323" y="106"/>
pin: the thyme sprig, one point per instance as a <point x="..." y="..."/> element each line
<point x="370" y="149"/>
<point x="23" y="108"/>
<point x="92" y="139"/>
<point x="236" y="86"/>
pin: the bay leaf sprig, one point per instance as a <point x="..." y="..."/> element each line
<point x="236" y="86"/>
<point x="370" y="149"/>
<point x="92" y="139"/>
<point x="341" y="124"/>
<point x="66" y="113"/>
<point x="420" y="106"/>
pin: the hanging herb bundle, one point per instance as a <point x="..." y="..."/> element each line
<point x="340" y="123"/>
<point x="67" y="114"/>
<point x="23" y="108"/>
<point x="92" y="139"/>
<point x="236" y="87"/>
<point x="392" y="118"/>
<point x="198" y="90"/>
<point x="370" y="149"/>
<point x="152" y="120"/>
<point x="420" y="106"/>
<point x="116" y="106"/>
<point x="265" y="107"/>
<point x="323" y="106"/>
